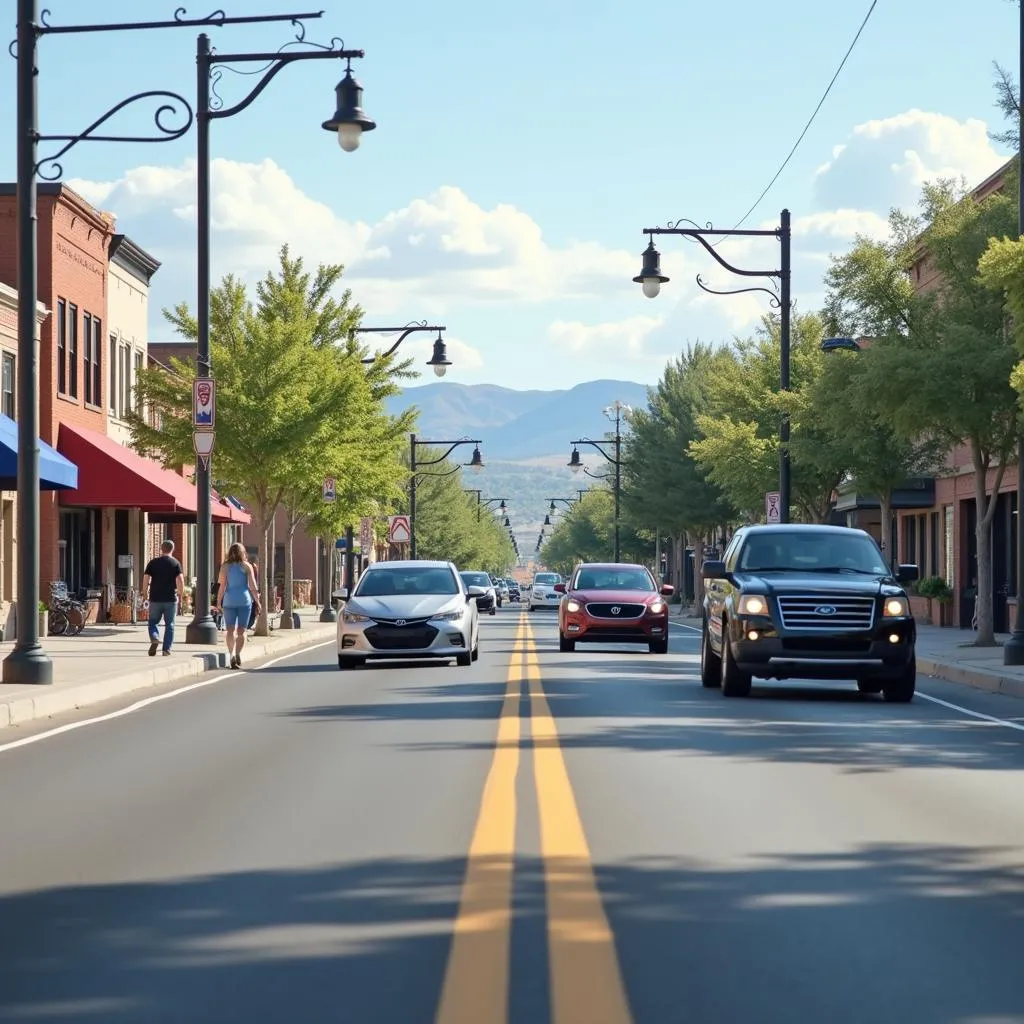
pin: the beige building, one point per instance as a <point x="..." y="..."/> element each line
<point x="129" y="273"/>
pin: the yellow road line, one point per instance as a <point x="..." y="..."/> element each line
<point x="476" y="984"/>
<point x="586" y="980"/>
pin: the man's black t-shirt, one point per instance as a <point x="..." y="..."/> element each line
<point x="163" y="573"/>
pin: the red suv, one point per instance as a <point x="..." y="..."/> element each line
<point x="613" y="603"/>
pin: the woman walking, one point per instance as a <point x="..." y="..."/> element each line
<point x="237" y="595"/>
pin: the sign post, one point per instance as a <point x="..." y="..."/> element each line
<point x="329" y="488"/>
<point x="773" y="507"/>
<point x="202" y="442"/>
<point x="398" y="530"/>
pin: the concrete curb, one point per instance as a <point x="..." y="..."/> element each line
<point x="979" y="678"/>
<point x="46" y="701"/>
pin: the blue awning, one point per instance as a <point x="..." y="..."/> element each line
<point x="55" y="472"/>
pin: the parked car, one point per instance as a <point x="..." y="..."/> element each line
<point x="808" y="602"/>
<point x="487" y="602"/>
<point x="406" y="609"/>
<point x="542" y="593"/>
<point x="613" y="603"/>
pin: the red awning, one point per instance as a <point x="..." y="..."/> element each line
<point x="111" y="475"/>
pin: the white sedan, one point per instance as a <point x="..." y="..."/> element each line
<point x="542" y="593"/>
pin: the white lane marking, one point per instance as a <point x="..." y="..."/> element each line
<point x="991" y="719"/>
<point x="139" y="705"/>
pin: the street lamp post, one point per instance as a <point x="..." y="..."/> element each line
<point x="482" y="502"/>
<point x="652" y="279"/>
<point x="29" y="662"/>
<point x="438" y="360"/>
<point x="476" y="463"/>
<point x="616" y="411"/>
<point x="1013" y="649"/>
<point x="349" y="122"/>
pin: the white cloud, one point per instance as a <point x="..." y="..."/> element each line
<point x="435" y="252"/>
<point x="885" y="162"/>
<point x="618" y="336"/>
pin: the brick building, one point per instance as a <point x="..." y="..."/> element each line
<point x="94" y="283"/>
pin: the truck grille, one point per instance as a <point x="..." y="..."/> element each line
<point x="607" y="611"/>
<point x="808" y="611"/>
<point x="400" y="638"/>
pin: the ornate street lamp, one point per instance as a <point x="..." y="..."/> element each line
<point x="438" y="361"/>
<point x="476" y="463"/>
<point x="651" y="279"/>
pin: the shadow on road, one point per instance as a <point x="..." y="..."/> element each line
<point x="880" y="933"/>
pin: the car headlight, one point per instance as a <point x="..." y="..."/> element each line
<point x="656" y="607"/>
<point x="449" y="616"/>
<point x="347" y="616"/>
<point x="572" y="606"/>
<point x="896" y="608"/>
<point x="753" y="604"/>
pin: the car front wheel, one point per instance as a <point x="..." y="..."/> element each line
<point x="658" y="647"/>
<point x="710" y="663"/>
<point x="901" y="690"/>
<point x="734" y="682"/>
<point x="565" y="644"/>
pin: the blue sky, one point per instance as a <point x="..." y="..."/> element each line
<point x="521" y="149"/>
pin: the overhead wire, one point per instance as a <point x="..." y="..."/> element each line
<point x="807" y="127"/>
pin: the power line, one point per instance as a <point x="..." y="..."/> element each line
<point x="817" y="109"/>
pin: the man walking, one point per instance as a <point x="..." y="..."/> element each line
<point x="163" y="586"/>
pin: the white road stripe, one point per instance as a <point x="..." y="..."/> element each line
<point x="991" y="719"/>
<point x="138" y="705"/>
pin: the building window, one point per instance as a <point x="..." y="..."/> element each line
<point x="112" y="396"/>
<point x="7" y="386"/>
<point x="97" y="361"/>
<point x="87" y="357"/>
<point x="126" y="379"/>
<point x="950" y="547"/>
<point x="72" y="351"/>
<point x="139" y="356"/>
<point x="62" y="346"/>
<point x="933" y="544"/>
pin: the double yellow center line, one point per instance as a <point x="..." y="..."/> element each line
<point x="585" y="978"/>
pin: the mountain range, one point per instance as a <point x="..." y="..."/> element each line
<point x="517" y="426"/>
<point x="525" y="439"/>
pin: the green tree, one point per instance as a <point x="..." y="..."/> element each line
<point x="739" y="445"/>
<point x="843" y="405"/>
<point x="360" y="448"/>
<point x="586" y="533"/>
<point x="665" y="488"/>
<point x="946" y="375"/>
<point x="280" y="400"/>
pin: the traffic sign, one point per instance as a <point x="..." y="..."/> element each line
<point x="398" y="530"/>
<point x="202" y="443"/>
<point x="341" y="544"/>
<point x="366" y="534"/>
<point x="204" y="401"/>
<point x="329" y="490"/>
<point x="773" y="507"/>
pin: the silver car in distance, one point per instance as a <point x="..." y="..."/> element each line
<point x="405" y="610"/>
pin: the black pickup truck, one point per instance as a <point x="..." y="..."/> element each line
<point x="801" y="601"/>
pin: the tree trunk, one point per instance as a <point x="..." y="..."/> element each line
<point x="698" y="577"/>
<point x="287" y="596"/>
<point x="986" y="508"/>
<point x="885" y="501"/>
<point x="264" y="522"/>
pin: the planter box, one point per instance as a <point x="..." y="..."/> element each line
<point x="44" y="624"/>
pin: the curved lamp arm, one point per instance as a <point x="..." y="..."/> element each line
<point x="450" y="472"/>
<point x="595" y="444"/>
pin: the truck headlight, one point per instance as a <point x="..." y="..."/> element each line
<point x="896" y="608"/>
<point x="753" y="604"/>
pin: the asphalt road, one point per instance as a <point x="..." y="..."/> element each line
<point x="589" y="838"/>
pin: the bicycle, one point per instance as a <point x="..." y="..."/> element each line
<point x="67" y="615"/>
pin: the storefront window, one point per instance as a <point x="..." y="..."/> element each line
<point x="950" y="547"/>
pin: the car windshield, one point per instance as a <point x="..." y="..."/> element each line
<point x="545" y="578"/>
<point x="614" y="579"/>
<point x="407" y="581"/>
<point x="475" y="579"/>
<point x="810" y="551"/>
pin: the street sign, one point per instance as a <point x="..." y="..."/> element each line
<point x="340" y="544"/>
<point x="202" y="443"/>
<point x="329" y="490"/>
<point x="204" y="402"/>
<point x="398" y="530"/>
<point x="366" y="534"/>
<point x="773" y="507"/>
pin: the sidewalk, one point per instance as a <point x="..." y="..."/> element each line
<point x="108" y="661"/>
<point x="949" y="654"/>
